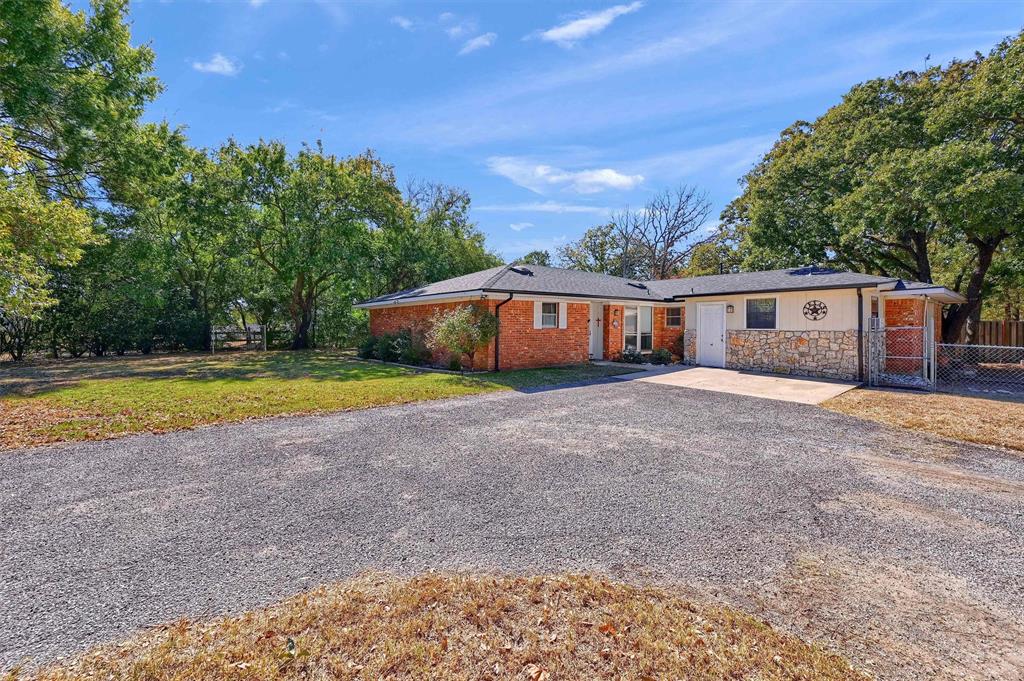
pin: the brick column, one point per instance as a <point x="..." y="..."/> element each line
<point x="613" y="314"/>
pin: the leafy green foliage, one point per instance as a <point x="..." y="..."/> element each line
<point x="36" y="233"/>
<point x="71" y="91"/>
<point x="661" y="356"/>
<point x="920" y="175"/>
<point x="536" y="258"/>
<point x="311" y="217"/>
<point x="630" y="356"/>
<point x="462" y="331"/>
<point x="598" y="250"/>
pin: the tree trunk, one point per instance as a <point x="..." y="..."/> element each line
<point x="301" y="310"/>
<point x="959" y="315"/>
<point x="924" y="266"/>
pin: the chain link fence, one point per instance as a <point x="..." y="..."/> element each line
<point x="900" y="357"/>
<point x="909" y="357"/>
<point x="979" y="368"/>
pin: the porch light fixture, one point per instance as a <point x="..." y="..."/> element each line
<point x="730" y="308"/>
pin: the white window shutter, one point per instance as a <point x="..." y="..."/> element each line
<point x="563" y="315"/>
<point x="537" y="314"/>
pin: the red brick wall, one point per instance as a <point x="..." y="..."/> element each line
<point x="523" y="346"/>
<point x="904" y="312"/>
<point x="613" y="315"/>
<point x="665" y="336"/>
<point x="906" y="342"/>
<point x="417" y="318"/>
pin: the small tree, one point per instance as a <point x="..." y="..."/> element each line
<point x="462" y="331"/>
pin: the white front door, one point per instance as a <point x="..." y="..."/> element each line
<point x="711" y="334"/>
<point x="596" y="331"/>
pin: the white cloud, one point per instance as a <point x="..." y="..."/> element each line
<point x="219" y="64"/>
<point x="543" y="207"/>
<point x="455" y="26"/>
<point x="257" y="3"/>
<point x="537" y="176"/>
<point x="730" y="158"/>
<point x="520" y="226"/>
<point x="521" y="104"/>
<point x="592" y="23"/>
<point x="403" y="23"/>
<point x="478" y="43"/>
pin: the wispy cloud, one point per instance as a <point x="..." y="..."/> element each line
<point x="257" y="3"/>
<point x="478" y="43"/>
<point x="538" y="177"/>
<point x="455" y="26"/>
<point x="542" y="207"/>
<point x="730" y="158"/>
<point x="521" y="104"/>
<point x="334" y="11"/>
<point x="520" y="226"/>
<point x="404" y="23"/>
<point x="218" y="64"/>
<point x="571" y="32"/>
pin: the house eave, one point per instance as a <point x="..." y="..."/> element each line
<point x="747" y="292"/>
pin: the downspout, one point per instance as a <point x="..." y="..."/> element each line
<point x="497" y="335"/>
<point x="860" y="335"/>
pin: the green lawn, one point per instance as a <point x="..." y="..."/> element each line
<point x="95" y="399"/>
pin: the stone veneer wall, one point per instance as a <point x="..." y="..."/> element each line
<point x="826" y="354"/>
<point x="690" y="345"/>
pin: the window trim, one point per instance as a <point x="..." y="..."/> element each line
<point x="746" y="325"/>
<point x="544" y="314"/>
<point x="639" y="333"/>
<point x="679" y="323"/>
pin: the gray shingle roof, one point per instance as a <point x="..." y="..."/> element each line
<point x="531" y="279"/>
<point x="555" y="281"/>
<point x="467" y="282"/>
<point x="792" y="279"/>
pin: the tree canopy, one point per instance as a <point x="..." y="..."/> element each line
<point x="920" y="175"/>
<point x="71" y="91"/>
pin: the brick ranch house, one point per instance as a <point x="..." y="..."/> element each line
<point x="807" y="321"/>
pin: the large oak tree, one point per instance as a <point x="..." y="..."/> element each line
<point x="312" y="218"/>
<point x="920" y="175"/>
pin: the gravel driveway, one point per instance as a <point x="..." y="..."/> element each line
<point x="903" y="551"/>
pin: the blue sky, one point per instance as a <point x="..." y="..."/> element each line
<point x="550" y="114"/>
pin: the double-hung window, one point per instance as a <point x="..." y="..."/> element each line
<point x="761" y="313"/>
<point x="549" y="316"/>
<point x="638" y="330"/>
<point x="674" y="317"/>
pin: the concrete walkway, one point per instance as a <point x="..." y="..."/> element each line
<point x="771" y="387"/>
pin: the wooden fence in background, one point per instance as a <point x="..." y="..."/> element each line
<point x="999" y="332"/>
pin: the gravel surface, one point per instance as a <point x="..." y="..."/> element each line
<point x="786" y="509"/>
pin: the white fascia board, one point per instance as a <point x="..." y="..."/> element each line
<point x="939" y="293"/>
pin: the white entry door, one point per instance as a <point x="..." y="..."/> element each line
<point x="711" y="334"/>
<point x="596" y="331"/>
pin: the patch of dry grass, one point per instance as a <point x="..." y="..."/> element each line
<point x="432" y="626"/>
<point x="997" y="422"/>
